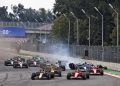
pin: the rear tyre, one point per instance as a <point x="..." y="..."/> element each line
<point x="52" y="75"/>
<point x="101" y="72"/>
<point x="33" y="76"/>
<point x="64" y="69"/>
<point x="26" y="66"/>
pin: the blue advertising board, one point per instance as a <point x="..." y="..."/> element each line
<point x="12" y="31"/>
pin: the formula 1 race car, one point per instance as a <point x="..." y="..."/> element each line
<point x="62" y="65"/>
<point x="35" y="62"/>
<point x="20" y="64"/>
<point x="19" y="58"/>
<point x="55" y="70"/>
<point x="43" y="73"/>
<point x="9" y="62"/>
<point x="38" y="58"/>
<point x="103" y="67"/>
<point x="80" y="72"/>
<point x="95" y="70"/>
<point x="72" y="66"/>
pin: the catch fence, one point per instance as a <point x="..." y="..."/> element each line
<point x="106" y="53"/>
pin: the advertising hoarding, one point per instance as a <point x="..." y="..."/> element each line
<point x="12" y="31"/>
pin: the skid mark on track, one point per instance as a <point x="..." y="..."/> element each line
<point x="15" y="76"/>
<point x="25" y="75"/>
<point x="4" y="79"/>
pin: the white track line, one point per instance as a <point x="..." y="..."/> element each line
<point x="117" y="76"/>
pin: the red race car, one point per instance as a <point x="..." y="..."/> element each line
<point x="96" y="70"/>
<point x="78" y="73"/>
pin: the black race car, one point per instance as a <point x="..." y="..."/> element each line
<point x="103" y="67"/>
<point x="72" y="66"/>
<point x="9" y="62"/>
<point x="62" y="64"/>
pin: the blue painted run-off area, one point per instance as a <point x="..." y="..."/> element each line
<point x="12" y="31"/>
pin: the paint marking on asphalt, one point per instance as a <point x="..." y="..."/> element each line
<point x="117" y="76"/>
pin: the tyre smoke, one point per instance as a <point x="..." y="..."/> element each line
<point x="62" y="53"/>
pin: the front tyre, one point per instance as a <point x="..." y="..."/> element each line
<point x="59" y="74"/>
<point x="68" y="76"/>
<point x="5" y="64"/>
<point x="48" y="76"/>
<point x="87" y="76"/>
<point x="84" y="76"/>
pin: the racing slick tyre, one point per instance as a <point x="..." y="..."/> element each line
<point x="63" y="68"/>
<point x="14" y="66"/>
<point x="101" y="72"/>
<point x="68" y="76"/>
<point x="33" y="76"/>
<point x="84" y="76"/>
<point x="48" y="76"/>
<point x="87" y="76"/>
<point x="5" y="64"/>
<point x="105" y="68"/>
<point x="52" y="75"/>
<point x="26" y="66"/>
<point x="59" y="74"/>
<point x="29" y="65"/>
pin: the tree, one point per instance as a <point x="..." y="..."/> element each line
<point x="32" y="15"/>
<point x="66" y="6"/>
<point x="3" y="13"/>
<point x="58" y="33"/>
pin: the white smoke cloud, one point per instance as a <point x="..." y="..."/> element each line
<point x="61" y="52"/>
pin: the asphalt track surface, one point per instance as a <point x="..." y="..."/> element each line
<point x="21" y="77"/>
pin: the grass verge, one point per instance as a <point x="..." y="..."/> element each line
<point x="25" y="54"/>
<point x="112" y="71"/>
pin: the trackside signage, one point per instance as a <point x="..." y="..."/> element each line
<point x="12" y="31"/>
